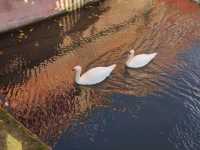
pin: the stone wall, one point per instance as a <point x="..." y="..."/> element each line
<point x="16" y="13"/>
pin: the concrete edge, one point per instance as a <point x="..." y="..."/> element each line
<point x="27" y="21"/>
<point x="16" y="125"/>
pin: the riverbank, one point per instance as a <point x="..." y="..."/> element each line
<point x="14" y="136"/>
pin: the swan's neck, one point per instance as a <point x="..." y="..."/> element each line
<point x="78" y="75"/>
<point x="130" y="58"/>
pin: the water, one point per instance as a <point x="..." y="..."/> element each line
<point x="156" y="107"/>
<point x="166" y="120"/>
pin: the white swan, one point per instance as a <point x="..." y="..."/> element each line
<point x="92" y="76"/>
<point x="140" y="60"/>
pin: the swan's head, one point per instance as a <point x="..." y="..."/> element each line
<point x="132" y="52"/>
<point x="77" y="68"/>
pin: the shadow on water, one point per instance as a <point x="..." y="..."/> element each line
<point x="149" y="108"/>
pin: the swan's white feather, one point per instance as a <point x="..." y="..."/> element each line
<point x="95" y="75"/>
<point x="140" y="60"/>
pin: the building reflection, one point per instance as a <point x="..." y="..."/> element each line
<point x="57" y="112"/>
<point x="164" y="29"/>
<point x="36" y="75"/>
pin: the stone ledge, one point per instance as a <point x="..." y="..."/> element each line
<point x="14" y="135"/>
<point x="15" y="13"/>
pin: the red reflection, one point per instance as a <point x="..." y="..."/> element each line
<point x="185" y="6"/>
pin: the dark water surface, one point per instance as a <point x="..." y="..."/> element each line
<point x="167" y="120"/>
<point x="153" y="108"/>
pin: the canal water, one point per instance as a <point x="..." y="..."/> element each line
<point x="156" y="107"/>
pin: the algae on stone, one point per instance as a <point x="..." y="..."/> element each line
<point x="13" y="136"/>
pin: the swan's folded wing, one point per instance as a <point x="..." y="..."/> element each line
<point x="95" y="75"/>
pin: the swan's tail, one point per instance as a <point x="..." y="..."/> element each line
<point x="112" y="67"/>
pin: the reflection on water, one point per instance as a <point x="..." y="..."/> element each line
<point x="185" y="134"/>
<point x="40" y="94"/>
<point x="167" y="119"/>
<point x="168" y="33"/>
<point x="38" y="83"/>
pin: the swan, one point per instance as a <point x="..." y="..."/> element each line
<point x="140" y="60"/>
<point x="92" y="76"/>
